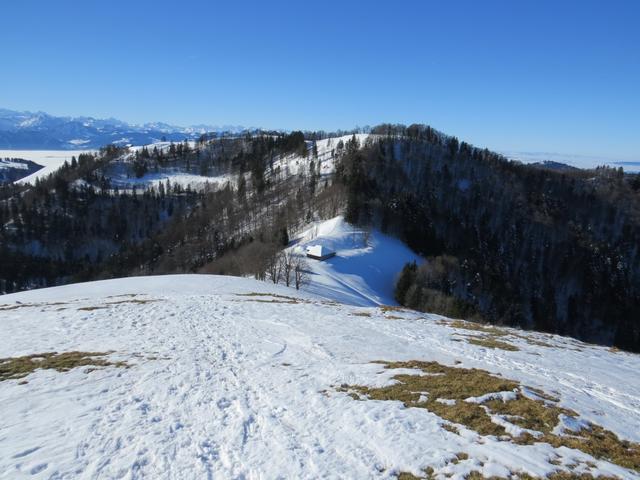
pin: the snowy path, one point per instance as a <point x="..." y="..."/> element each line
<point x="223" y="385"/>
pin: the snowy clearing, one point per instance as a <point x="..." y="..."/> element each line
<point x="177" y="177"/>
<point x="7" y="163"/>
<point x="365" y="266"/>
<point x="51" y="160"/>
<point x="234" y="378"/>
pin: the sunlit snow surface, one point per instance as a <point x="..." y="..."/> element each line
<point x="51" y="160"/>
<point x="221" y="385"/>
<point x="365" y="267"/>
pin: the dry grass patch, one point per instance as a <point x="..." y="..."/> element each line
<point x="478" y="327"/>
<point x="490" y="342"/>
<point x="14" y="307"/>
<point x="459" y="457"/>
<point x="540" y="416"/>
<point x="451" y="428"/>
<point x="564" y="475"/>
<point x="537" y="343"/>
<point x="529" y="414"/>
<point x="275" y="298"/>
<point x="361" y="314"/>
<point x="407" y="476"/>
<point x="18" y="367"/>
<point x="29" y="305"/>
<point x="544" y="395"/>
<point x="387" y="311"/>
<point x="442" y="382"/>
<point x="492" y="331"/>
<point x="476" y="475"/>
<point x="290" y="302"/>
<point x="135" y="301"/>
<point x="106" y="305"/>
<point x="601" y="444"/>
<point x="274" y="295"/>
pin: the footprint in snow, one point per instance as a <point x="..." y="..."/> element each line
<point x="26" y="452"/>
<point x="38" y="468"/>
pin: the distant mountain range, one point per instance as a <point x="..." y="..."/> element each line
<point x="41" y="131"/>
<point x="561" y="161"/>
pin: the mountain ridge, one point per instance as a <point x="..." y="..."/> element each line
<point x="43" y="131"/>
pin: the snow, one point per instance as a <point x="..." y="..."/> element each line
<point x="161" y="146"/>
<point x="327" y="150"/>
<point x="365" y="266"/>
<point x="195" y="182"/>
<point x="120" y="173"/>
<point x="223" y="386"/>
<point x="504" y="396"/>
<point x="51" y="160"/>
<point x="318" y="251"/>
<point x="7" y="163"/>
<point x="569" y="424"/>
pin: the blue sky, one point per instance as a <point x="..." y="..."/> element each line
<point x="558" y="76"/>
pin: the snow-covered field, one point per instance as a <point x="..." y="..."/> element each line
<point x="8" y="163"/>
<point x="365" y="266"/>
<point x="51" y="160"/>
<point x="195" y="182"/>
<point x="224" y="383"/>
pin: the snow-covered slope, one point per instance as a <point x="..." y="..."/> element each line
<point x="364" y="268"/>
<point x="51" y="160"/>
<point x="234" y="378"/>
<point x="12" y="169"/>
<point x="327" y="148"/>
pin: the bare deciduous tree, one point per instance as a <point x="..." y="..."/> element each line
<point x="273" y="267"/>
<point x="286" y="266"/>
<point x="366" y="237"/>
<point x="300" y="272"/>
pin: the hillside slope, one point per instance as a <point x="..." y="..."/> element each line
<point x="232" y="378"/>
<point x="365" y="266"/>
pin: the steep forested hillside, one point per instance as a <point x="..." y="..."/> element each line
<point x="508" y="243"/>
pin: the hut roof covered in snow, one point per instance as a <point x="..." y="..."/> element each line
<point x="319" y="252"/>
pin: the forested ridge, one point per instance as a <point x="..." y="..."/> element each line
<point x="507" y="243"/>
<point x="541" y="248"/>
<point x="77" y="225"/>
